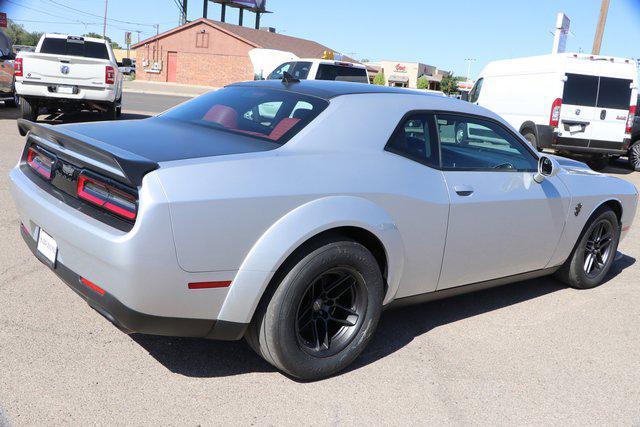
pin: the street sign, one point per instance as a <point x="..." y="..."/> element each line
<point x="3" y="20"/>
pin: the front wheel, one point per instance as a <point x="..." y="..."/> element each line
<point x="594" y="253"/>
<point x="634" y="156"/>
<point x="323" y="313"/>
<point x="598" y="163"/>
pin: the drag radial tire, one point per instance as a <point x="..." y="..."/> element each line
<point x="591" y="258"/>
<point x="323" y="312"/>
<point x="29" y="110"/>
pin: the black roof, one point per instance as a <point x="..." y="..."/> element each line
<point x="325" y="89"/>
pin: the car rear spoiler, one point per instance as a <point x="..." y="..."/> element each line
<point x="87" y="152"/>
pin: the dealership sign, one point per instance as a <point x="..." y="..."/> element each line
<point x="3" y="20"/>
<point x="401" y="68"/>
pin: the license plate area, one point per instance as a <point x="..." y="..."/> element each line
<point x="47" y="248"/>
<point x="64" y="89"/>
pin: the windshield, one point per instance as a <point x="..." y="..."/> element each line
<point x="273" y="115"/>
<point x="299" y="70"/>
<point x="74" y="47"/>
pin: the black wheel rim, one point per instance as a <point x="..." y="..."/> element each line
<point x="598" y="249"/>
<point x="635" y="156"/>
<point x="331" y="311"/>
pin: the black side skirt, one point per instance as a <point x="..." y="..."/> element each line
<point x="131" y="321"/>
<point x="459" y="290"/>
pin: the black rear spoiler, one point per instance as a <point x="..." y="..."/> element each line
<point x="90" y="153"/>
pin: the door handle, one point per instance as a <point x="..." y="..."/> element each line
<point x="463" y="190"/>
<point x="603" y="114"/>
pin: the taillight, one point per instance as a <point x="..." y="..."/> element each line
<point x="40" y="162"/>
<point x="107" y="196"/>
<point x="554" y="118"/>
<point x="109" y="75"/>
<point x="632" y="113"/>
<point x="17" y="68"/>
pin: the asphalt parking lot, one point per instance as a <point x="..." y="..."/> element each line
<point x="528" y="353"/>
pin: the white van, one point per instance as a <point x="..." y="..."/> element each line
<point x="567" y="102"/>
<point x="322" y="69"/>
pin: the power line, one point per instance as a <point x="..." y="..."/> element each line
<point x="99" y="16"/>
<point x="44" y="12"/>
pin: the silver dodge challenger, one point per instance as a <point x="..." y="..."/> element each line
<point x="291" y="213"/>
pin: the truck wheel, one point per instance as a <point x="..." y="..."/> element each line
<point x="530" y="136"/>
<point x="323" y="313"/>
<point x="634" y="156"/>
<point x="597" y="163"/>
<point x="29" y="109"/>
<point x="13" y="102"/>
<point x="112" y="111"/>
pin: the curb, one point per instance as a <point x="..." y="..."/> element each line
<point x="154" y="92"/>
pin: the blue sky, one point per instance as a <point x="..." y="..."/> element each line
<point x="439" y="33"/>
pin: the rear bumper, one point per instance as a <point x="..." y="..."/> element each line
<point x="42" y="90"/>
<point x="132" y="321"/>
<point x="137" y="268"/>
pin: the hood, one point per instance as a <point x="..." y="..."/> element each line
<point x="573" y="166"/>
<point x="162" y="139"/>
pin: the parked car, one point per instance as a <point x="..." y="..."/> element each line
<point x="7" y="87"/>
<point x="295" y="230"/>
<point x="322" y="69"/>
<point x="571" y="103"/>
<point x="69" y="73"/>
<point x="127" y="66"/>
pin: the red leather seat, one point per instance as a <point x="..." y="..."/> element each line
<point x="226" y="116"/>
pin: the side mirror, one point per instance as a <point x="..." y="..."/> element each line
<point x="546" y="167"/>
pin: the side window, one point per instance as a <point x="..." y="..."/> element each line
<point x="474" y="94"/>
<point x="279" y="71"/>
<point x="470" y="143"/>
<point x="415" y="139"/>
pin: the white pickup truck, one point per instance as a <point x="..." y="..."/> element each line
<point x="68" y="73"/>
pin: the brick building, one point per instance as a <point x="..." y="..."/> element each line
<point x="211" y="53"/>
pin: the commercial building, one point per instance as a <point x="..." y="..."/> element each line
<point x="406" y="74"/>
<point x="212" y="53"/>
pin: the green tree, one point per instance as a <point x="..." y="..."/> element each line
<point x="449" y="83"/>
<point x="379" y="79"/>
<point x="20" y="36"/>
<point x="423" y="82"/>
<point x="113" y="44"/>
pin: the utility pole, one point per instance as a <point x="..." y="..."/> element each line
<point x="104" y="24"/>
<point x="138" y="31"/>
<point x="597" y="40"/>
<point x="469" y="61"/>
<point x="184" y="12"/>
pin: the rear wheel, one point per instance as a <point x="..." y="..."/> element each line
<point x="29" y="109"/>
<point x="530" y="136"/>
<point x="634" y="156"/>
<point x="323" y="313"/>
<point x="113" y="111"/>
<point x="594" y="253"/>
<point x="13" y="102"/>
<point x="597" y="163"/>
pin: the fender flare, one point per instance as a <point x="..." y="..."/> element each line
<point x="295" y="228"/>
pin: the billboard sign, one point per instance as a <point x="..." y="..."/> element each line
<point x="258" y="5"/>
<point x="3" y="20"/>
<point x="562" y="32"/>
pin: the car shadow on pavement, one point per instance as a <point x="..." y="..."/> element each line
<point x="398" y="327"/>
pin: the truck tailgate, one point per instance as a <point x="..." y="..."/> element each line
<point x="56" y="69"/>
